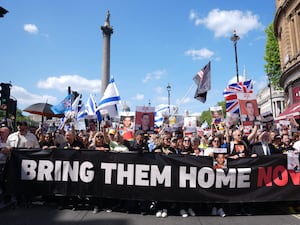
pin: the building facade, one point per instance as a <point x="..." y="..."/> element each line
<point x="287" y="31"/>
<point x="267" y="97"/>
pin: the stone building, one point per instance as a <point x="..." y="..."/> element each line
<point x="266" y="97"/>
<point x="287" y="31"/>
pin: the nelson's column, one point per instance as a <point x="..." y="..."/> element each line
<point x="107" y="30"/>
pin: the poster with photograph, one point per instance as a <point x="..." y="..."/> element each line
<point x="248" y="107"/>
<point x="144" y="119"/>
<point x="219" y="160"/>
<point x="190" y="125"/>
<point x="217" y="114"/>
<point x="248" y="111"/>
<point x="126" y="125"/>
<point x="293" y="161"/>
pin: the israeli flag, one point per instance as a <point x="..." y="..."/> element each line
<point x="111" y="96"/>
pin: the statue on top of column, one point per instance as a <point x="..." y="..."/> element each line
<point x="107" y="19"/>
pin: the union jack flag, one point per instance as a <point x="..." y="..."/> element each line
<point x="232" y="103"/>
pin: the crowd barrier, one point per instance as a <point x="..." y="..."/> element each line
<point x="150" y="176"/>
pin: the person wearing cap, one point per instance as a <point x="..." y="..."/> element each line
<point x="22" y="138"/>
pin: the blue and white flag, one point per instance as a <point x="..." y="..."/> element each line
<point x="75" y="104"/>
<point x="89" y="110"/>
<point x="111" y="97"/>
<point x="161" y="111"/>
<point x="64" y="106"/>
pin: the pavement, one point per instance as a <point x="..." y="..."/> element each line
<point x="41" y="213"/>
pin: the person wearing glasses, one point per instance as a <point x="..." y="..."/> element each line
<point x="213" y="144"/>
<point x="99" y="142"/>
<point x="165" y="145"/>
<point x="238" y="148"/>
<point x="186" y="146"/>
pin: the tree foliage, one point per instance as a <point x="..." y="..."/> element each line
<point x="206" y="115"/>
<point x="272" y="57"/>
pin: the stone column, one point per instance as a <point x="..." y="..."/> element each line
<point x="107" y="31"/>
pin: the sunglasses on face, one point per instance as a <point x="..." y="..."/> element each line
<point x="99" y="136"/>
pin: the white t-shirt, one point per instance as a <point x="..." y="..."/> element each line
<point x="297" y="146"/>
<point x="16" y="140"/>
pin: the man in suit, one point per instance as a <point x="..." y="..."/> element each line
<point x="264" y="146"/>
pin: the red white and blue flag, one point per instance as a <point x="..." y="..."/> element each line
<point x="232" y="103"/>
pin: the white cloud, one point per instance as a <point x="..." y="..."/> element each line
<point x="203" y="53"/>
<point x="76" y="82"/>
<point x="159" y="90"/>
<point x="138" y="97"/>
<point x="223" y="22"/>
<point x="156" y="75"/>
<point x="31" y="28"/>
<point x="26" y="98"/>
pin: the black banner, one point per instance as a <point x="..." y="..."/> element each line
<point x="151" y="176"/>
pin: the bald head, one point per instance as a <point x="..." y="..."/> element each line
<point x="4" y="132"/>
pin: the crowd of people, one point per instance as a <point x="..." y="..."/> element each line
<point x="231" y="143"/>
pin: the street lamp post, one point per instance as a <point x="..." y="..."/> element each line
<point x="169" y="90"/>
<point x="270" y="87"/>
<point x="235" y="38"/>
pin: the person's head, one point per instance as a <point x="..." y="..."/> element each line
<point x="166" y="140"/>
<point x="216" y="142"/>
<point x="186" y="142"/>
<point x="174" y="141"/>
<point x="139" y="136"/>
<point x="145" y="119"/>
<point x="285" y="139"/>
<point x="195" y="142"/>
<point x="216" y="114"/>
<point x="48" y="137"/>
<point x="265" y="137"/>
<point x="277" y="140"/>
<point x="220" y="158"/>
<point x="249" y="108"/>
<point x="70" y="136"/>
<point x="98" y="138"/>
<point x="112" y="134"/>
<point x="4" y="132"/>
<point x="237" y="135"/>
<point x="92" y="125"/>
<point x="127" y="121"/>
<point x="22" y="126"/>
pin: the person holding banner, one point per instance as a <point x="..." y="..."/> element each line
<point x="99" y="143"/>
<point x="71" y="141"/>
<point x="238" y="148"/>
<point x="264" y="146"/>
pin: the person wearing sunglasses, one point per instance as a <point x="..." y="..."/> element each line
<point x="99" y="142"/>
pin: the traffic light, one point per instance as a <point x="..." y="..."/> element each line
<point x="12" y="108"/>
<point x="5" y="94"/>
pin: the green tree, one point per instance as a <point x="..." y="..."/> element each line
<point x="272" y="57"/>
<point x="206" y="115"/>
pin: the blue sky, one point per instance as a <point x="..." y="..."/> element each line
<point x="47" y="46"/>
